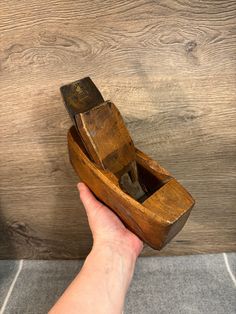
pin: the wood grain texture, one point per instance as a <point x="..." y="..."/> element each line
<point x="169" y="66"/>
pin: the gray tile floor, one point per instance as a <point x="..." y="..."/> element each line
<point x="189" y="284"/>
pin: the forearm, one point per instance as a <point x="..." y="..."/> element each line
<point x="101" y="285"/>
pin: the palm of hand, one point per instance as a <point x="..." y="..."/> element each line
<point x="106" y="227"/>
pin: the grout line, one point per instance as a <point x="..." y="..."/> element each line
<point x="11" y="287"/>
<point x="228" y="269"/>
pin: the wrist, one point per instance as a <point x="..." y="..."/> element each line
<point x="120" y="248"/>
<point x="110" y="268"/>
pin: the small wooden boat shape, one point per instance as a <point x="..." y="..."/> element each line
<point x="149" y="201"/>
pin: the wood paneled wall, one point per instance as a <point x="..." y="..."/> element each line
<point x="169" y="66"/>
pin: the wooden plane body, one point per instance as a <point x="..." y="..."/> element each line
<point x="148" y="200"/>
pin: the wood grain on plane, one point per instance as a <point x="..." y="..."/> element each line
<point x="145" y="196"/>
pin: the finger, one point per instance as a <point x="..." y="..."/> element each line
<point x="91" y="204"/>
<point x="99" y="215"/>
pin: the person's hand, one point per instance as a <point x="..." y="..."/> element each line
<point x="103" y="281"/>
<point x="106" y="227"/>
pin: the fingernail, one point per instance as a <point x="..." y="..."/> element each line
<point x="79" y="185"/>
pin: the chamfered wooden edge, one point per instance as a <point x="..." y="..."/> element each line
<point x="154" y="228"/>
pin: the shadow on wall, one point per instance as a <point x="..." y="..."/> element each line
<point x="50" y="222"/>
<point x="7" y="249"/>
<point x="66" y="234"/>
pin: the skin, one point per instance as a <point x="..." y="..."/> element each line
<point x="103" y="281"/>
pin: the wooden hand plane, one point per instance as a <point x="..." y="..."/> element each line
<point x="149" y="201"/>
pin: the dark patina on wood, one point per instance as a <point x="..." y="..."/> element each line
<point x="145" y="196"/>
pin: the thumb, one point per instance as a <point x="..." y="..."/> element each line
<point x="91" y="204"/>
<point x="101" y="219"/>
